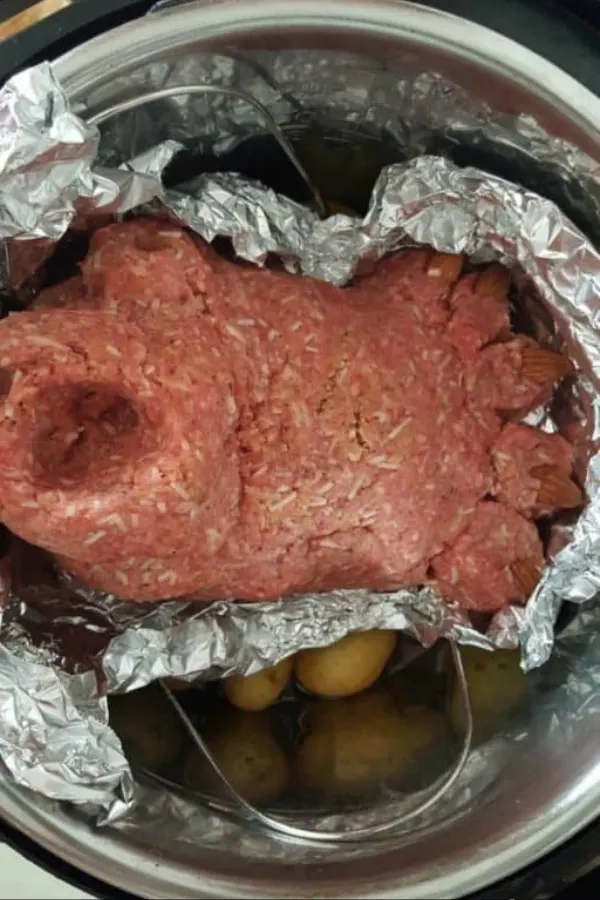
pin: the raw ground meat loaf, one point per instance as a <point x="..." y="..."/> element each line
<point x="176" y="424"/>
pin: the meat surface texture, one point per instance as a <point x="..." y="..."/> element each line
<point x="174" y="424"/>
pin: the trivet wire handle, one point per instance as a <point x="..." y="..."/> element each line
<point x="266" y="820"/>
<point x="180" y="90"/>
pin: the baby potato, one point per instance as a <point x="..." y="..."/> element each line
<point x="345" y="668"/>
<point x="497" y="686"/>
<point x="259" y="691"/>
<point x="249" y="755"/>
<point x="147" y="725"/>
<point x="352" y="745"/>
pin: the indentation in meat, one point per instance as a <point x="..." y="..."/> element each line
<point x="88" y="428"/>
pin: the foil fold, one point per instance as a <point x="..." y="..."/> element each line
<point x="53" y="175"/>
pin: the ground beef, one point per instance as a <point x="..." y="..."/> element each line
<point x="176" y="424"/>
<point x="480" y="308"/>
<point x="533" y="471"/>
<point x="493" y="557"/>
<point x="514" y="376"/>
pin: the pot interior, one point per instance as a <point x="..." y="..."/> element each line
<point x="355" y="86"/>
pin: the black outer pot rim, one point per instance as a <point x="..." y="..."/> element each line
<point x="58" y="32"/>
<point x="545" y="27"/>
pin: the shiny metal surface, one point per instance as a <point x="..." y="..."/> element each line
<point x="550" y="784"/>
<point x="262" y="114"/>
<point x="397" y="822"/>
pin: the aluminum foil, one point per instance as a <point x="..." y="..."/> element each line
<point x="186" y="830"/>
<point x="69" y="646"/>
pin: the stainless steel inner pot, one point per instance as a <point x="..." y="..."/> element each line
<point x="547" y="784"/>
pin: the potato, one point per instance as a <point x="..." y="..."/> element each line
<point x="244" y="746"/>
<point x="148" y="726"/>
<point x="259" y="691"/>
<point x="345" y="668"/>
<point x="352" y="745"/>
<point x="497" y="686"/>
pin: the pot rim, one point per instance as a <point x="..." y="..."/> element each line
<point x="104" y="854"/>
<point x="79" y="69"/>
